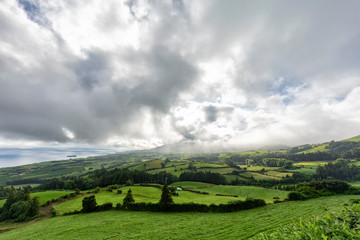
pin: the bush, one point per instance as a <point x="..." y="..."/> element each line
<point x="53" y="212"/>
<point x="89" y="204"/>
<point x="72" y="195"/>
<point x="295" y="196"/>
<point x="308" y="192"/>
<point x="105" y="207"/>
<point x="119" y="192"/>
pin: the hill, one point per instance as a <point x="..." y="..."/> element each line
<point x="149" y="225"/>
<point x="251" y="162"/>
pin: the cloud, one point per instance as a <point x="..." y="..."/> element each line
<point x="211" y="74"/>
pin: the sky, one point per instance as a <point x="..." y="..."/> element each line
<point x="210" y="75"/>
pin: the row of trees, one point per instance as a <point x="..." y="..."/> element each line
<point x="341" y="169"/>
<point x="316" y="189"/>
<point x="207" y="177"/>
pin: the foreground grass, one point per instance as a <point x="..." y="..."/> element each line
<point x="149" y="225"/>
<point x="342" y="225"/>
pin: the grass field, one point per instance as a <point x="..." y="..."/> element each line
<point x="242" y="191"/>
<point x="151" y="194"/>
<point x="148" y="225"/>
<point x="278" y="174"/>
<point x="43" y="196"/>
<point x="258" y="168"/>
<point x="217" y="170"/>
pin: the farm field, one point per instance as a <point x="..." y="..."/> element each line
<point x="152" y="194"/>
<point x="242" y="191"/>
<point x="150" y="225"/>
<point x="44" y="196"/>
<point x="307" y="167"/>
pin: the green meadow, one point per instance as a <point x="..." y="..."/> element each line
<point x="152" y="195"/>
<point x="154" y="225"/>
<point x="44" y="196"/>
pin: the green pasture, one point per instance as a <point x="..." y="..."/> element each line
<point x="216" y="170"/>
<point x="259" y="176"/>
<point x="151" y="225"/>
<point x="230" y="177"/>
<point x="152" y="194"/>
<point x="308" y="171"/>
<point x="319" y="148"/>
<point x="43" y="196"/>
<point x="278" y="174"/>
<point x="208" y="165"/>
<point x="259" y="168"/>
<point x="242" y="191"/>
<point x="311" y="164"/>
<point x="49" y="195"/>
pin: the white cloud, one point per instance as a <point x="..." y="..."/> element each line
<point x="139" y="74"/>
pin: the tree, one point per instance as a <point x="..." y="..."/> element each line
<point x="34" y="207"/>
<point x="166" y="198"/>
<point x="129" y="199"/>
<point x="20" y="211"/>
<point x="89" y="204"/>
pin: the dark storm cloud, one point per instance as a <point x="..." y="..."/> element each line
<point x="89" y="104"/>
<point x="92" y="71"/>
<point x="170" y="74"/>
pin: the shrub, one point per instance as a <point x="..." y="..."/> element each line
<point x="105" y="207"/>
<point x="89" y="204"/>
<point x="119" y="192"/>
<point x="118" y="206"/>
<point x="308" y="192"/>
<point x="53" y="212"/>
<point x="96" y="190"/>
<point x="295" y="196"/>
<point x="72" y="195"/>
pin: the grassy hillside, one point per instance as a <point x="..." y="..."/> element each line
<point x="152" y="194"/>
<point x="148" y="225"/>
<point x="176" y="163"/>
<point x="353" y="139"/>
<point x="44" y="196"/>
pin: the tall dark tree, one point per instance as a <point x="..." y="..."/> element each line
<point x="166" y="198"/>
<point x="128" y="198"/>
